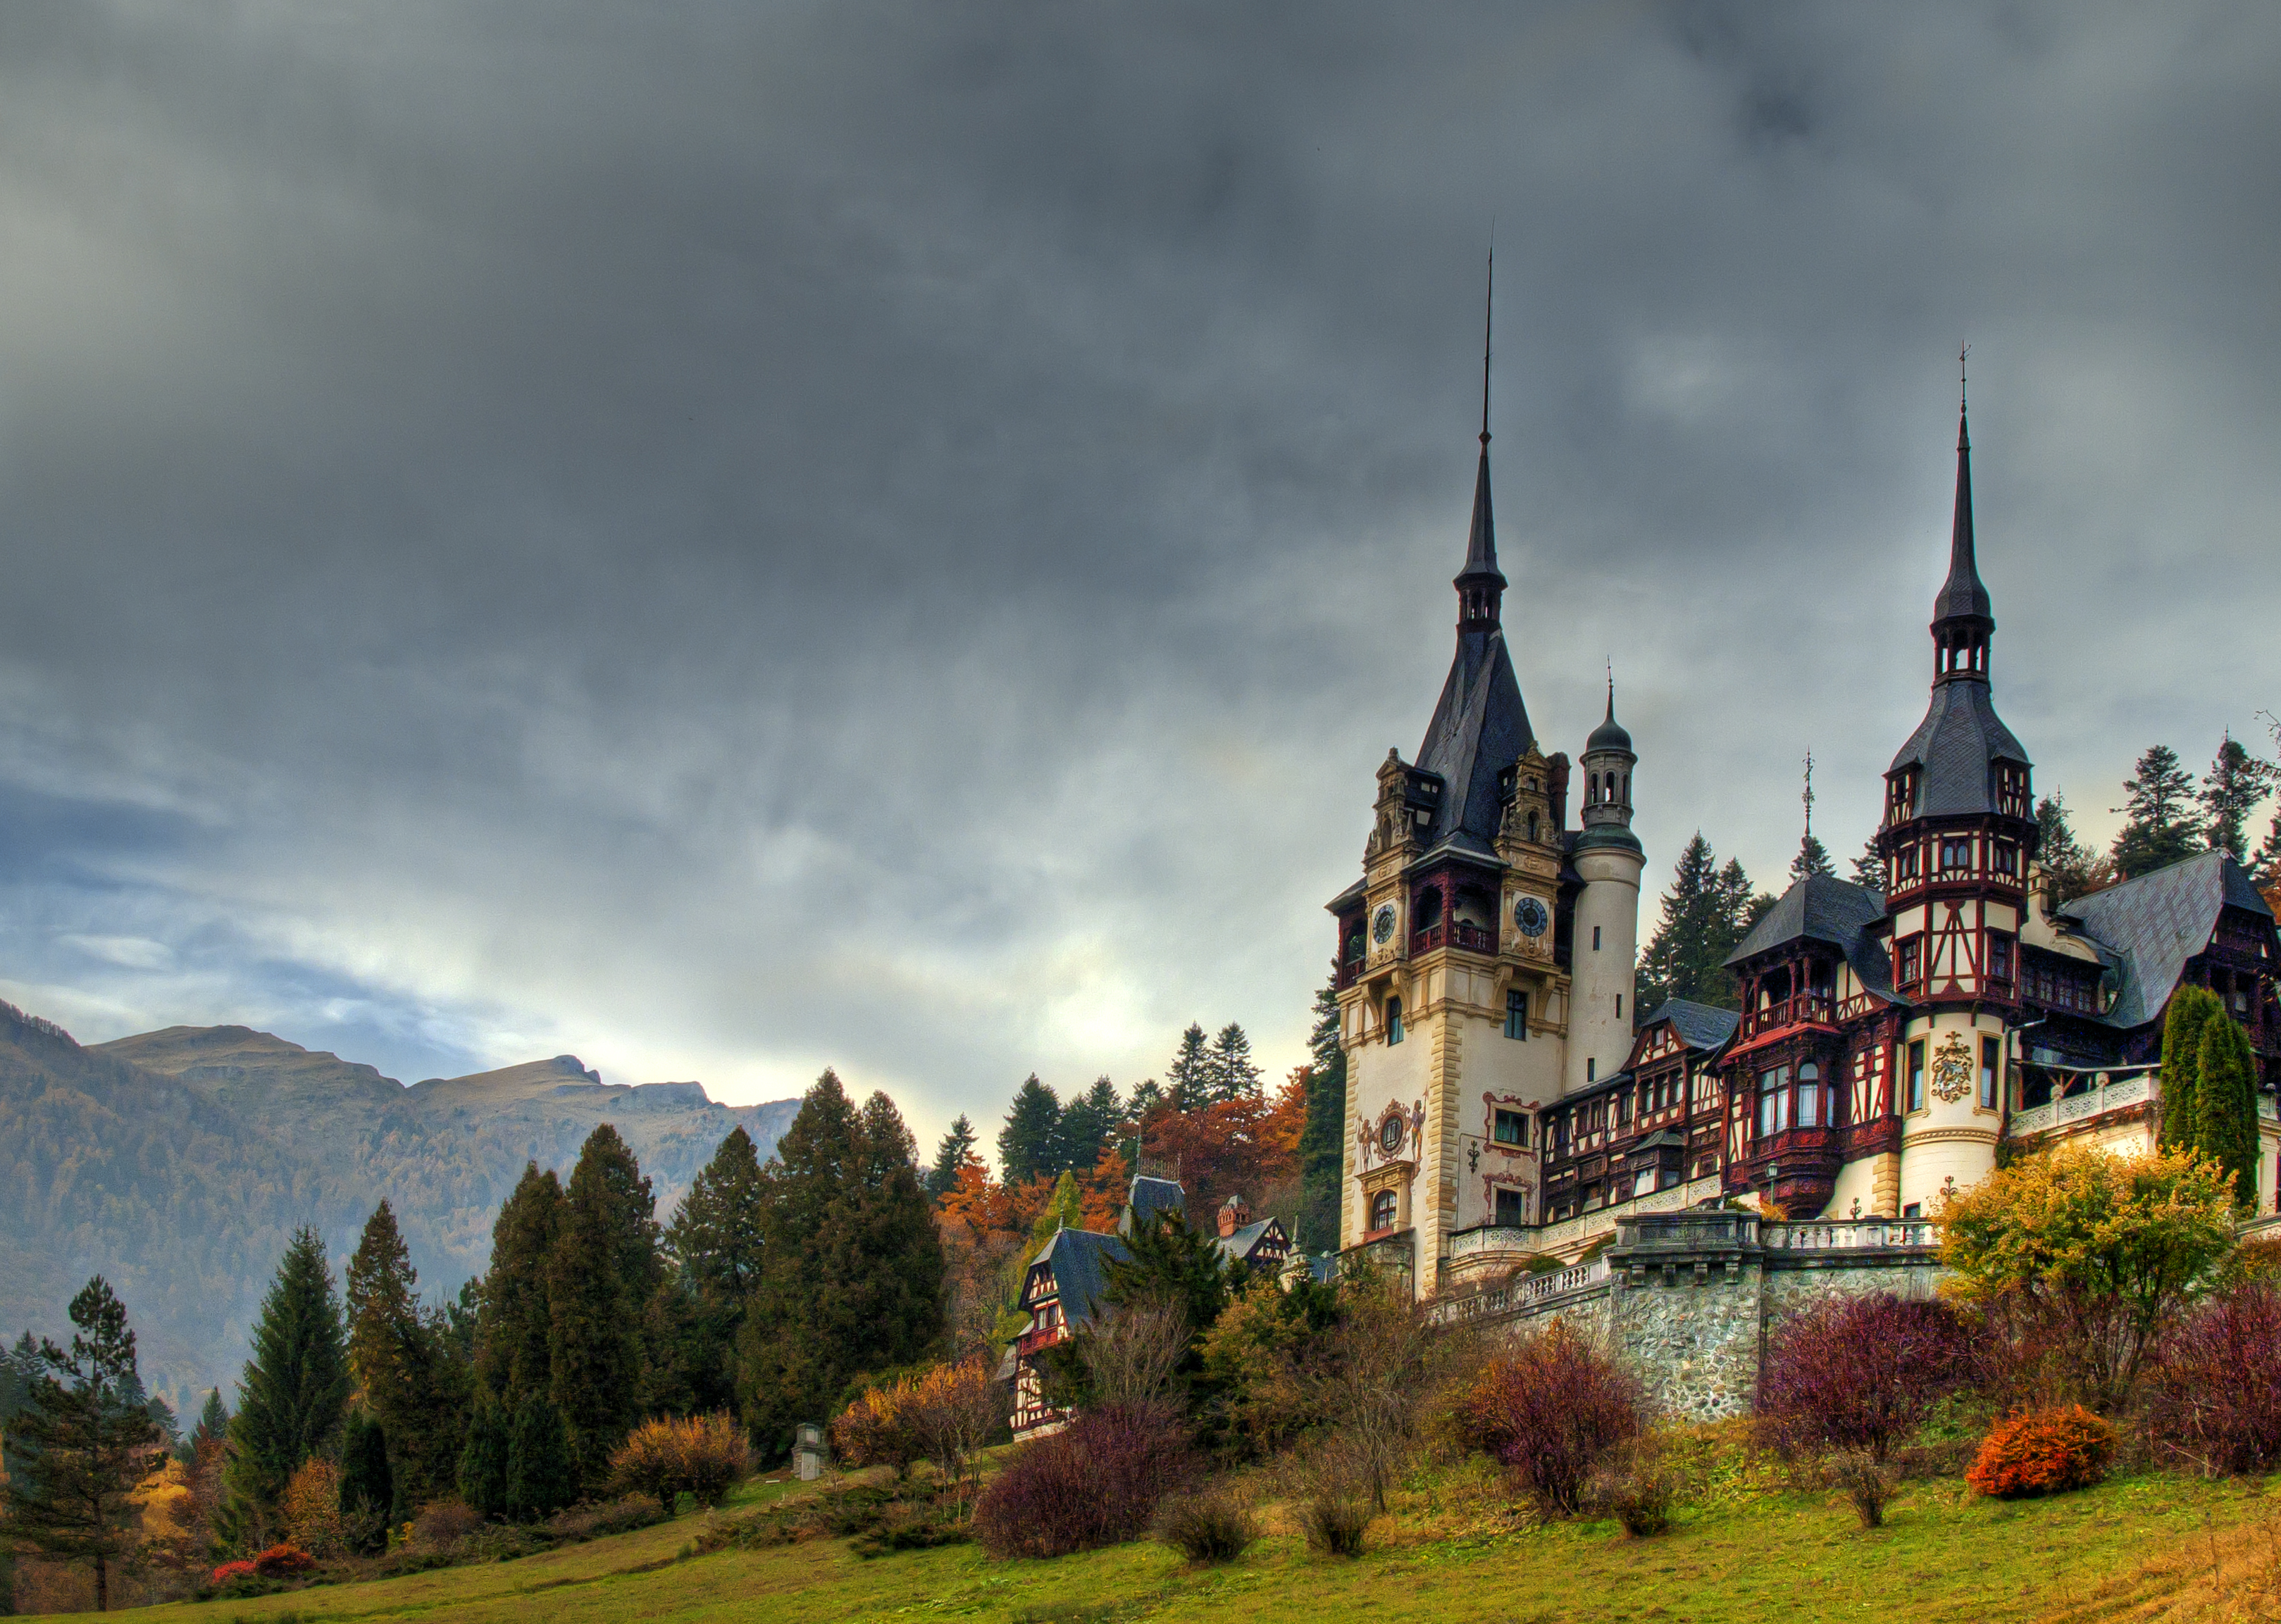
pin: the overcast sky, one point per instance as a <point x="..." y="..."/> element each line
<point x="726" y="539"/>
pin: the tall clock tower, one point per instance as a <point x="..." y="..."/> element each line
<point x="1467" y="948"/>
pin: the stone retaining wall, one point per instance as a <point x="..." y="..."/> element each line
<point x="1687" y="1298"/>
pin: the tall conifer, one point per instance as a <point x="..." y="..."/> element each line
<point x="2192" y="1008"/>
<point x="484" y="1466"/>
<point x="296" y="1386"/>
<point x="950" y="1156"/>
<point x="1322" y="1139"/>
<point x="515" y="1321"/>
<point x="715" y="1245"/>
<point x="1233" y="1075"/>
<point x="368" y="1491"/>
<point x="2225" y="1104"/>
<point x="1030" y="1142"/>
<point x="2160" y="827"/>
<point x="542" y="1470"/>
<point x="82" y="1441"/>
<point x="1188" y="1079"/>
<point x="2063" y="858"/>
<point x="2236" y="781"/>
<point x="599" y="1278"/>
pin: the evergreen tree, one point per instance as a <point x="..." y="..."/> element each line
<point x="368" y="1496"/>
<point x="542" y="1472"/>
<point x="2159" y="829"/>
<point x="2236" y="781"/>
<point x="1188" y="1079"/>
<point x="2063" y="856"/>
<point x="2267" y="863"/>
<point x="1869" y="868"/>
<point x="1813" y="858"/>
<point x="401" y="1360"/>
<point x="82" y="1442"/>
<point x="957" y="1145"/>
<point x="2225" y="1105"/>
<point x="296" y="1386"/>
<point x="1030" y="1142"/>
<point x="1086" y="1122"/>
<point x="2192" y="1008"/>
<point x="852" y="1272"/>
<point x="1322" y="1139"/>
<point x="1170" y="1263"/>
<point x="212" y="1427"/>
<point x="600" y="1277"/>
<point x="1706" y="914"/>
<point x="1145" y="1099"/>
<point x="515" y="1321"/>
<point x="715" y="1243"/>
<point x="484" y="1479"/>
<point x="1233" y="1075"/>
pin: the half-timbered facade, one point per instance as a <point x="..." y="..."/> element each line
<point x="1505" y="1099"/>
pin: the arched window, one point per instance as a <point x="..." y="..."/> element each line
<point x="1381" y="1211"/>
<point x="1809" y="1096"/>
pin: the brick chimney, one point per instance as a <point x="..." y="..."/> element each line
<point x="1232" y="1216"/>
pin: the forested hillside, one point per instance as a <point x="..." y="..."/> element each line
<point x="177" y="1163"/>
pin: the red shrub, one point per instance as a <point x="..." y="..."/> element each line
<point x="1861" y="1372"/>
<point x="1551" y="1412"/>
<point x="2217" y="1397"/>
<point x="283" y="1562"/>
<point x="228" y="1570"/>
<point x="2044" y="1452"/>
<point x="1097" y="1482"/>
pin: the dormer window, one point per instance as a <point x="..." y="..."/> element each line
<point x="1901" y="794"/>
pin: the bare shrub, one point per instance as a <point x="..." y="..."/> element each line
<point x="1336" y="1522"/>
<point x="1212" y="1525"/>
<point x="1637" y="1490"/>
<point x="1866" y="1480"/>
<point x="621" y="1515"/>
<point x="2217" y="1397"/>
<point x="1131" y="1352"/>
<point x="704" y="1455"/>
<point x="1098" y="1481"/>
<point x="1863" y="1372"/>
<point x="1551" y="1412"/>
<point x="952" y="1410"/>
<point x="1380" y="1371"/>
<point x="442" y="1524"/>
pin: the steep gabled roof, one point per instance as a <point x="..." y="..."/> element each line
<point x="2153" y="924"/>
<point x="1150" y="1196"/>
<point x="1699" y="1026"/>
<point x="1078" y="1260"/>
<point x="1240" y="1246"/>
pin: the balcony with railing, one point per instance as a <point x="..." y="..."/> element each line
<point x="1029" y="1342"/>
<point x="1806" y="1009"/>
<point x="2098" y="1096"/>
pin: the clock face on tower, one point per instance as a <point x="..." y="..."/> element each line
<point x="1381" y="923"/>
<point x="1528" y="913"/>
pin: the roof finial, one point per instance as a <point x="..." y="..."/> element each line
<point x="1611" y="664"/>
<point x="1963" y="395"/>
<point x="1808" y="841"/>
<point x="1489" y="312"/>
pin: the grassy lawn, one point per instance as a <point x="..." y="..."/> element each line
<point x="2110" y="1552"/>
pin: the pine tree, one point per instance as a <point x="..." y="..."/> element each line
<point x="1813" y="858"/>
<point x="2267" y="863"/>
<point x="402" y="1362"/>
<point x="1322" y="1141"/>
<point x="1086" y="1122"/>
<point x="82" y="1442"/>
<point x="368" y="1496"/>
<point x="1706" y="914"/>
<point x="1233" y="1074"/>
<point x="715" y="1243"/>
<point x="852" y="1269"/>
<point x="2158" y="830"/>
<point x="957" y="1145"/>
<point x="515" y="1321"/>
<point x="483" y="1477"/>
<point x="2236" y="781"/>
<point x="2192" y="1008"/>
<point x="213" y="1427"/>
<point x="1188" y="1079"/>
<point x="1869" y="868"/>
<point x="296" y="1386"/>
<point x="600" y="1277"/>
<point x="542" y="1472"/>
<point x="2062" y="855"/>
<point x="1030" y="1142"/>
<point x="2225" y="1104"/>
<point x="1145" y="1098"/>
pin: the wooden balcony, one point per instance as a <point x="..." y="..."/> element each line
<point x="1807" y="1009"/>
<point x="1029" y="1342"/>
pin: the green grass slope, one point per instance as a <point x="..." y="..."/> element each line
<point x="2110" y="1552"/>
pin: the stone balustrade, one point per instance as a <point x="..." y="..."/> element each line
<point x="2070" y="1109"/>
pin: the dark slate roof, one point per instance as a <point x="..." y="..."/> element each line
<point x="1149" y="1196"/>
<point x="1479" y="729"/>
<point x="1480" y="540"/>
<point x="1610" y="734"/>
<point x="2153" y="924"/>
<point x="1699" y="1026"/>
<point x="1953" y="748"/>
<point x="1078" y="1259"/>
<point x="1821" y="908"/>
<point x="1238" y="1246"/>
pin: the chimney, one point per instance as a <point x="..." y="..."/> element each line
<point x="1232" y="1216"/>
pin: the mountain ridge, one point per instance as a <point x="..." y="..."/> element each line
<point x="177" y="1161"/>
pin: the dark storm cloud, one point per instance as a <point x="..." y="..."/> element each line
<point x="731" y="539"/>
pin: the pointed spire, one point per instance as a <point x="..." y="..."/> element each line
<point x="1610" y="734"/>
<point x="1961" y="596"/>
<point x="1481" y="584"/>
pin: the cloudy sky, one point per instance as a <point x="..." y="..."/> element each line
<point x="727" y="539"/>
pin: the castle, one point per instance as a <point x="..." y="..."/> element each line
<point x="1508" y="1102"/>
